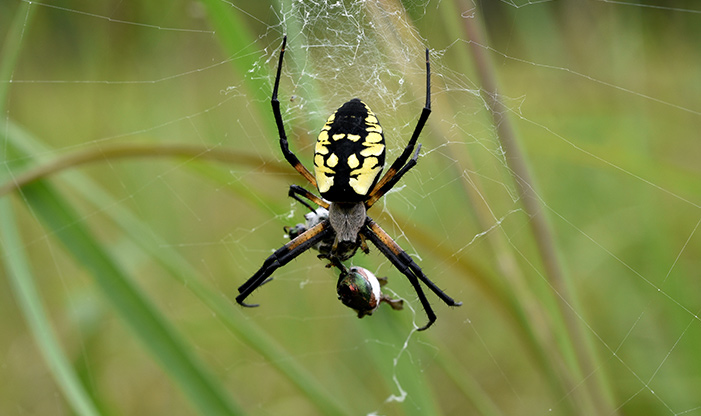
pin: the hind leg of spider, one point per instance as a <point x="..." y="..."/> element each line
<point x="284" y="145"/>
<point x="379" y="193"/>
<point x="402" y="159"/>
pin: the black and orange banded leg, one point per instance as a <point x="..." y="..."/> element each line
<point x="386" y="182"/>
<point x="281" y="257"/>
<point x="380" y="192"/>
<point x="296" y="191"/>
<point x="401" y="260"/>
<point x="284" y="145"/>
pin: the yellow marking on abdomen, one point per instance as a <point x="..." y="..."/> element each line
<point x="373" y="150"/>
<point x="373" y="137"/>
<point x="332" y="161"/>
<point x="365" y="176"/>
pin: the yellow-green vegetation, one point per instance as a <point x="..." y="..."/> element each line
<point x="557" y="195"/>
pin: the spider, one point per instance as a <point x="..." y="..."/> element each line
<point x="357" y="287"/>
<point x="348" y="158"/>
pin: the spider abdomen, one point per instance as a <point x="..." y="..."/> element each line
<point x="349" y="153"/>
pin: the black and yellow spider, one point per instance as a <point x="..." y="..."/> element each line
<point x="348" y="158"/>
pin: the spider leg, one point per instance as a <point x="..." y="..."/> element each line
<point x="401" y="260"/>
<point x="402" y="159"/>
<point x="401" y="266"/>
<point x="284" y="145"/>
<point x="293" y="193"/>
<point x="282" y="256"/>
<point x="296" y="191"/>
<point x="380" y="192"/>
<point x="402" y="255"/>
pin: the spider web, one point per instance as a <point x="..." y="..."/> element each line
<point x="603" y="96"/>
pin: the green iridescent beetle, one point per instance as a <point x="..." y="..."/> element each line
<point x="349" y="157"/>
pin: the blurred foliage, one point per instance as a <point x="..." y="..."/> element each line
<point x="161" y="188"/>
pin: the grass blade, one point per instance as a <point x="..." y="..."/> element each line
<point x="29" y="300"/>
<point x="16" y="263"/>
<point x="207" y="396"/>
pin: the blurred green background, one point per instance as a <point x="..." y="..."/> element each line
<point x="143" y="183"/>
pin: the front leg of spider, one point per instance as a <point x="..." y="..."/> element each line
<point x="282" y="256"/>
<point x="349" y="157"/>
<point x="401" y="260"/>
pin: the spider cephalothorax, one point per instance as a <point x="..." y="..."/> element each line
<point x="349" y="157"/>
